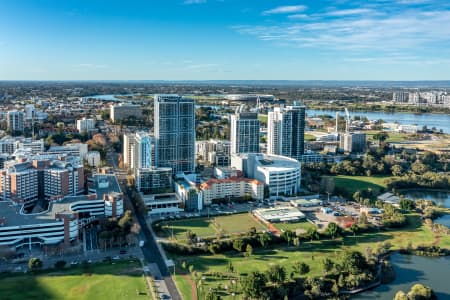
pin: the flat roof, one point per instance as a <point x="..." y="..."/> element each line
<point x="12" y="213"/>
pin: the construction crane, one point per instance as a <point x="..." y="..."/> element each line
<point x="347" y="120"/>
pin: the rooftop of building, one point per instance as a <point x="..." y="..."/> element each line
<point x="12" y="215"/>
<point x="210" y="182"/>
<point x="272" y="163"/>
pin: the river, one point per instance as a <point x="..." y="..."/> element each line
<point x="440" y="121"/>
<point x="430" y="271"/>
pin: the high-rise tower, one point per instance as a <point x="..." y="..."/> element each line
<point x="286" y="131"/>
<point x="244" y="133"/>
<point x="174" y="119"/>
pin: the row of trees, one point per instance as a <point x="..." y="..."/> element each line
<point x="117" y="232"/>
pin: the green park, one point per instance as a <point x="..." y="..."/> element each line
<point x="122" y="279"/>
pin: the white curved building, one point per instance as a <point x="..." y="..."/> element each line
<point x="281" y="174"/>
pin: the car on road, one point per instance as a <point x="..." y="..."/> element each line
<point x="74" y="263"/>
<point x="164" y="297"/>
<point x="116" y="257"/>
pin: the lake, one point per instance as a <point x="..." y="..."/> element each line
<point x="440" y="121"/>
<point x="430" y="271"/>
<point x="440" y="198"/>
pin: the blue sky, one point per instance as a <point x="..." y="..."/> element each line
<point x="225" y="39"/>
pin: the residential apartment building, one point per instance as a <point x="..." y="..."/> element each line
<point x="400" y="97"/>
<point x="174" y="126"/>
<point x="153" y="180"/>
<point x="15" y="120"/>
<point x="244" y="133"/>
<point x="286" y="131"/>
<point x="85" y="125"/>
<point x="125" y="110"/>
<point x="353" y="142"/>
<point x="231" y="188"/>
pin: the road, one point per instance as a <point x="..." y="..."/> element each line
<point x="152" y="254"/>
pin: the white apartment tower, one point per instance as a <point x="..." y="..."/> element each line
<point x="143" y="150"/>
<point x="286" y="131"/>
<point x="85" y="125"/>
<point x="15" y="120"/>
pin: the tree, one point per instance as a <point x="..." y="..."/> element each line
<point x="327" y="265"/>
<point x="253" y="285"/>
<point x="276" y="274"/>
<point x="248" y="250"/>
<point x="397" y="170"/>
<point x="264" y="239"/>
<point x="34" y="264"/>
<point x="363" y="218"/>
<point x="419" y="291"/>
<point x="353" y="262"/>
<point x="60" y="264"/>
<point x="230" y="267"/>
<point x="333" y="229"/>
<point x="381" y="136"/>
<point x="407" y="204"/>
<point x="354" y="228"/>
<point x="288" y="236"/>
<point x="312" y="233"/>
<point x="239" y="245"/>
<point x="401" y="295"/>
<point x="301" y="268"/>
<point x="190" y="236"/>
<point x="212" y="296"/>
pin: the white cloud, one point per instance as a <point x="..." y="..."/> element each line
<point x="402" y="30"/>
<point x="285" y="9"/>
<point x="348" y="12"/>
<point x="298" y="16"/>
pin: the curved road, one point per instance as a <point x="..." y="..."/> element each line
<point x="152" y="254"/>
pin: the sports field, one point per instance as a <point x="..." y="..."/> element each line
<point x="204" y="227"/>
<point x="123" y="280"/>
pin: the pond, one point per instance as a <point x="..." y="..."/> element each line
<point x="430" y="271"/>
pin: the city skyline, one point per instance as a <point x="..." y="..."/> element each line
<point x="228" y="39"/>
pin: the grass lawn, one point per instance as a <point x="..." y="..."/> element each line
<point x="205" y="227"/>
<point x="309" y="137"/>
<point x="200" y="226"/>
<point x="356" y="183"/>
<point x="294" y="226"/>
<point x="237" y="223"/>
<point x="394" y="137"/>
<point x="311" y="253"/>
<point x="104" y="281"/>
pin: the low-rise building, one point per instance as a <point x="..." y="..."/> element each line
<point x="236" y="187"/>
